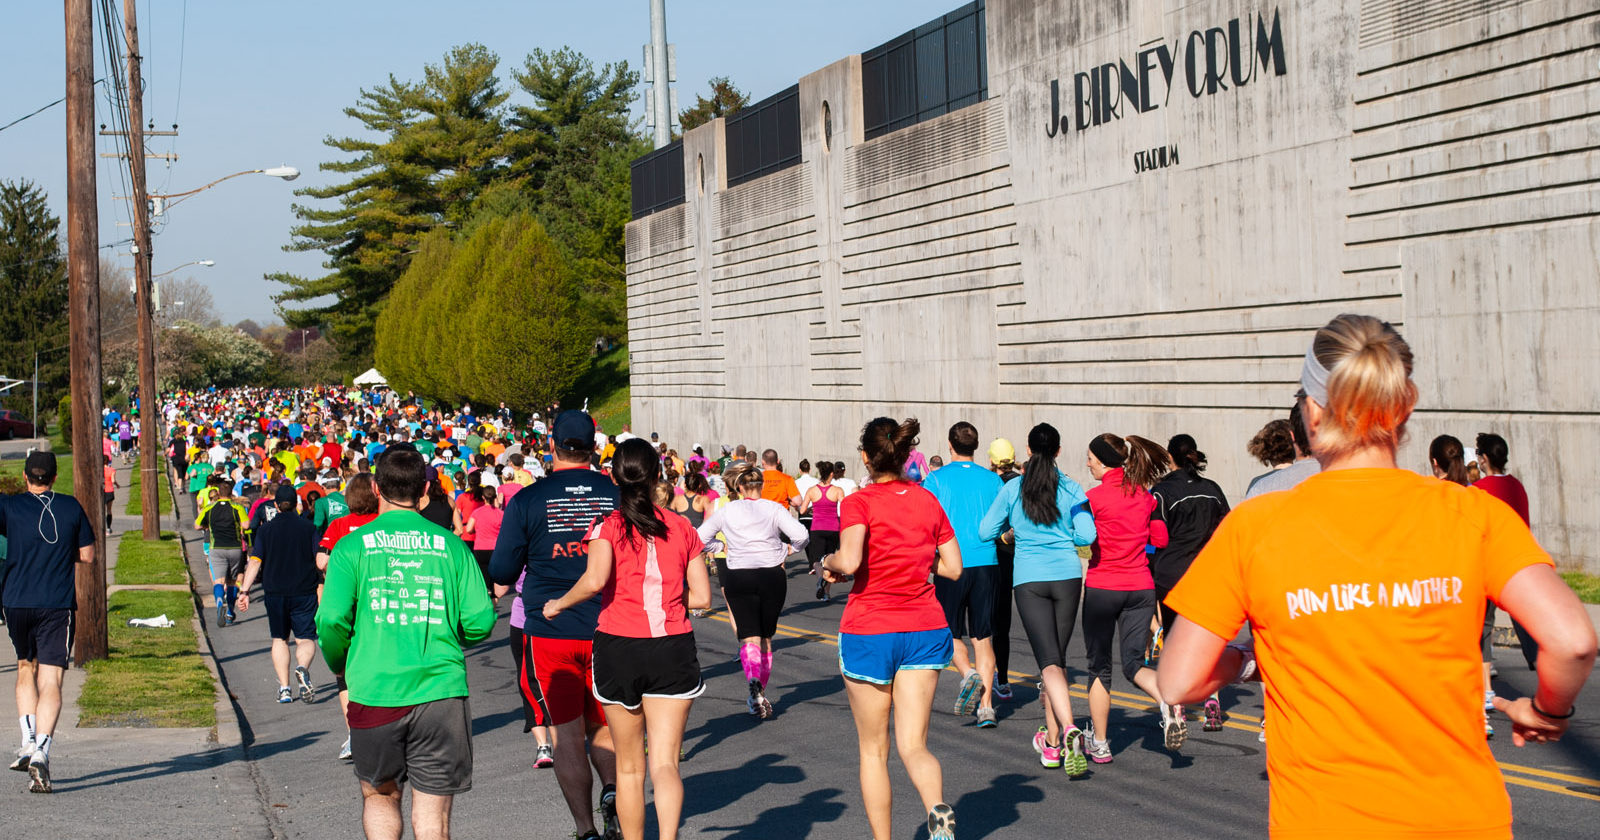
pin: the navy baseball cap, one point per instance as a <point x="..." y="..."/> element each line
<point x="41" y="466"/>
<point x="573" y="429"/>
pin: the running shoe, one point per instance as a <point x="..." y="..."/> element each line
<point x="967" y="698"/>
<point x="1488" y="728"/>
<point x="760" y="706"/>
<point x="222" y="615"/>
<point x="587" y="835"/>
<point x="39" y="773"/>
<point x="1213" y="715"/>
<point x="942" y="823"/>
<point x="1099" y="752"/>
<point x="344" y="750"/>
<point x="1262" y="737"/>
<point x="1173" y="726"/>
<point x="986" y="718"/>
<point x="23" y="756"/>
<point x="285" y="695"/>
<point x="1049" y="756"/>
<point x="545" y="757"/>
<point x="1002" y="691"/>
<point x="1488" y="701"/>
<point x="610" y="829"/>
<point x="822" y="590"/>
<point x="1493" y="671"/>
<point x="302" y="675"/>
<point x="1072" y="757"/>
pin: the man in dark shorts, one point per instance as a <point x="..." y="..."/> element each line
<point x="284" y="555"/>
<point x="403" y="598"/>
<point x="46" y="533"/>
<point x="543" y="532"/>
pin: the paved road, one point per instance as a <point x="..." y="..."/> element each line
<point x="795" y="776"/>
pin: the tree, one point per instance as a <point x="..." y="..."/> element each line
<point x="33" y="284"/>
<point x="725" y="100"/>
<point x="566" y="88"/>
<point x="192" y="356"/>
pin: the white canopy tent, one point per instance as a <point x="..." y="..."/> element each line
<point x="370" y="378"/>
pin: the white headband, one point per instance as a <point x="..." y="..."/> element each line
<point x="1314" y="378"/>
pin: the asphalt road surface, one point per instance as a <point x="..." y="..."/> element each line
<point x="794" y="776"/>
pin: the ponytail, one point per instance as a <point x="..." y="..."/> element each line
<point x="1449" y="458"/>
<point x="636" y="471"/>
<point x="1186" y="455"/>
<point x="888" y="444"/>
<point x="1370" y="394"/>
<point x="1147" y="463"/>
<point x="1041" y="476"/>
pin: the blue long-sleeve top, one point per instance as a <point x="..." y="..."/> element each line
<point x="1044" y="552"/>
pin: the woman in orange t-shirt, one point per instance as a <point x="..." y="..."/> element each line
<point x="1365" y="588"/>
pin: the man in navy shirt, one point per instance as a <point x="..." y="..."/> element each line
<point x="542" y="532"/>
<point x="46" y="533"/>
<point x="284" y="555"/>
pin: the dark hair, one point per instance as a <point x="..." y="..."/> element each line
<point x="805" y="465"/>
<point x="1274" y="444"/>
<point x="838" y="468"/>
<point x="1493" y="448"/>
<point x="888" y="444"/>
<point x="359" y="494"/>
<point x="1186" y="455"/>
<point x="1446" y="453"/>
<point x="824" y="471"/>
<point x="1297" y="427"/>
<point x="1041" y="476"/>
<point x="1143" y="461"/>
<point x="636" y="470"/>
<point x="575" y="456"/>
<point x="402" y="475"/>
<point x="696" y="483"/>
<point x="964" y="439"/>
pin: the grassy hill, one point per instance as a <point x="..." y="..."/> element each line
<point x="605" y="386"/>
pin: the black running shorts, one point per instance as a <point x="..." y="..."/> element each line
<point x="41" y="635"/>
<point x="627" y="670"/>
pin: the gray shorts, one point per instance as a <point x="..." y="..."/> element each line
<point x="431" y="747"/>
<point x="226" y="563"/>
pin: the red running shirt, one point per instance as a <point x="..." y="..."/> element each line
<point x="644" y="597"/>
<point x="905" y="527"/>
<point x="1507" y="489"/>
<point x="338" y="528"/>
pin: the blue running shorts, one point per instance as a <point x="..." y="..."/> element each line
<point x="877" y="657"/>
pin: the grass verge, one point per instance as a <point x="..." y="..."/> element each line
<point x="153" y="561"/>
<point x="154" y="677"/>
<point x="605" y="386"/>
<point x="12" y="468"/>
<point x="136" y="489"/>
<point x="1586" y="585"/>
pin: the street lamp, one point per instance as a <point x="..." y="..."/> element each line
<point x="161" y="203"/>
<point x="207" y="263"/>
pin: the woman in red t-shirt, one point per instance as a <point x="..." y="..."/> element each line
<point x="645" y="668"/>
<point x="483" y="528"/>
<point x="893" y="637"/>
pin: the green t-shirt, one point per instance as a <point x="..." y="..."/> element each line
<point x="257" y="439"/>
<point x="199" y="473"/>
<point x="328" y="508"/>
<point x="426" y="448"/>
<point x="402" y="599"/>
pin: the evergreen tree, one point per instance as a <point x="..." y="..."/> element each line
<point x="725" y="101"/>
<point x="33" y="284"/>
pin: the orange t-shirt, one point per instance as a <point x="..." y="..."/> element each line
<point x="778" y="487"/>
<point x="1365" y="591"/>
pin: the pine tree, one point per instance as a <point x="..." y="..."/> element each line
<point x="725" y="100"/>
<point x="33" y="284"/>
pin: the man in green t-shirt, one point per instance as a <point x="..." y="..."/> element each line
<point x="199" y="473"/>
<point x="402" y="599"/>
<point x="330" y="506"/>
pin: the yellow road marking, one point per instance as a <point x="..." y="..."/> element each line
<point x="1140" y="702"/>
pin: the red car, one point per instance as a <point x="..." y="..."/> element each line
<point x="13" y="425"/>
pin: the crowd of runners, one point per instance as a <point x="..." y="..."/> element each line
<point x="385" y="527"/>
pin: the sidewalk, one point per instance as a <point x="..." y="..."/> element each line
<point x="126" y="782"/>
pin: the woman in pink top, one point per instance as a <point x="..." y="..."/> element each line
<point x="645" y="668"/>
<point x="822" y="501"/>
<point x="1119" y="595"/>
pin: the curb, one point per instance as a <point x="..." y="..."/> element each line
<point x="226" y="733"/>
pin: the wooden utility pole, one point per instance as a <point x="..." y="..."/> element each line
<point x="83" y="252"/>
<point x="149" y="427"/>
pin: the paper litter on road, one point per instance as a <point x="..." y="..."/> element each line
<point x="159" y="621"/>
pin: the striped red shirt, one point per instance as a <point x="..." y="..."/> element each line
<point x="645" y="597"/>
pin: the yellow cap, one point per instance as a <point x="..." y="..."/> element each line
<point x="1002" y="451"/>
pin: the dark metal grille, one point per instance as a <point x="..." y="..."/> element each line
<point x="763" y="138"/>
<point x="930" y="71"/>
<point x="658" y="180"/>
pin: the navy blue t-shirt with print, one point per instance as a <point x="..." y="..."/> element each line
<point x="543" y="531"/>
<point x="43" y="534"/>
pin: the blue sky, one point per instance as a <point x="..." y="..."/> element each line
<point x="263" y="84"/>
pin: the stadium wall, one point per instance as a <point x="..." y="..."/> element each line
<point x="1138" y="230"/>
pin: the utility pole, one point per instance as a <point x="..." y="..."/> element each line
<point x="83" y="249"/>
<point x="149" y="433"/>
<point x="660" y="70"/>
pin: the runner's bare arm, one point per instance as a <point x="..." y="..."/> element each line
<point x="593" y="580"/>
<point x="949" y="562"/>
<point x="844" y="562"/>
<point x="1195" y="662"/>
<point x="1538" y="599"/>
<point x="697" y="589"/>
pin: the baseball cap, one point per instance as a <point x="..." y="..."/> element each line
<point x="574" y="430"/>
<point x="1001" y="451"/>
<point x="285" y="493"/>
<point x="40" y="466"/>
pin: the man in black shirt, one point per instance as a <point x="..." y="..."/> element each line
<point x="46" y="534"/>
<point x="285" y="556"/>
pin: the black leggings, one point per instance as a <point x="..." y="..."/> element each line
<point x="530" y="717"/>
<point x="822" y="543"/>
<point x="755" y="598"/>
<point x="1124" y="613"/>
<point x="1049" y="609"/>
<point x="1000" y="622"/>
<point x="482" y="555"/>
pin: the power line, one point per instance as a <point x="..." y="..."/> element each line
<point x="45" y="108"/>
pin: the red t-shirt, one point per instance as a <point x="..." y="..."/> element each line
<point x="644" y="597"/>
<point x="338" y="528"/>
<point x="333" y="452"/>
<point x="1508" y="490"/>
<point x="1122" y="530"/>
<point x="486" y="527"/>
<point x="893" y="592"/>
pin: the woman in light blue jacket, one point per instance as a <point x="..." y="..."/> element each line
<point x="1049" y="515"/>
